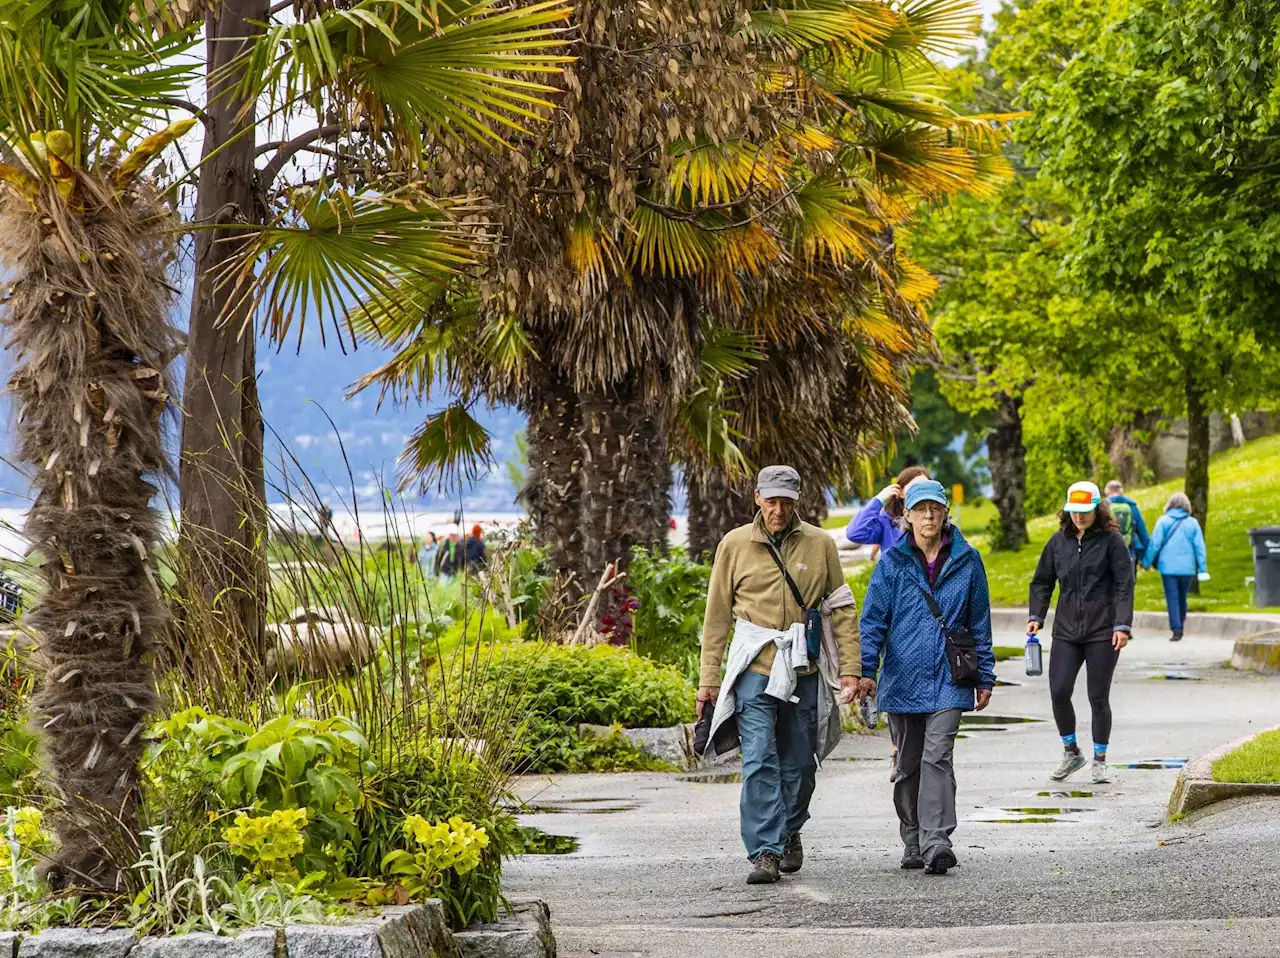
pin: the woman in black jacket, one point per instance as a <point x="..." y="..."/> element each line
<point x="1088" y="560"/>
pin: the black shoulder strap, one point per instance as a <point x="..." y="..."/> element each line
<point x="932" y="603"/>
<point x="1172" y="529"/>
<point x="783" y="569"/>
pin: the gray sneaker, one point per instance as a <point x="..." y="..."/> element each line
<point x="792" y="856"/>
<point x="1100" y="776"/>
<point x="766" y="870"/>
<point x="1071" y="762"/>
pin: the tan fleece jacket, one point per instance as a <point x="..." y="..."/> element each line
<point x="746" y="584"/>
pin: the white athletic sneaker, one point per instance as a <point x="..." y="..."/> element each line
<point x="1071" y="762"/>
<point x="1100" y="776"/>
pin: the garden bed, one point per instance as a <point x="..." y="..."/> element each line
<point x="1247" y="766"/>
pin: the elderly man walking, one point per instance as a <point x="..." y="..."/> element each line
<point x="778" y="585"/>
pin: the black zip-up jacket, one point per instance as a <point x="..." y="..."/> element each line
<point x="1095" y="579"/>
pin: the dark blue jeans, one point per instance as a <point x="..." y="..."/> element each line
<point x="1175" y="597"/>
<point x="779" y="768"/>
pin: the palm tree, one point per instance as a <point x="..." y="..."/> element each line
<point x="88" y="244"/>
<point x="673" y="197"/>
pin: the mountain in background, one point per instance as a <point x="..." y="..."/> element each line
<point x="301" y="392"/>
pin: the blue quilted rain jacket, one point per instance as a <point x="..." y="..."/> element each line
<point x="897" y="625"/>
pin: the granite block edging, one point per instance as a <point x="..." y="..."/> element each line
<point x="1196" y="787"/>
<point x="409" y="931"/>
<point x="1259" y="653"/>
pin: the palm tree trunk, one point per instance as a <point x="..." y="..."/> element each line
<point x="91" y="347"/>
<point x="552" y="492"/>
<point x="652" y="501"/>
<point x="714" y="509"/>
<point x="1008" y="461"/>
<point x="222" y="485"/>
<point x="612" y="442"/>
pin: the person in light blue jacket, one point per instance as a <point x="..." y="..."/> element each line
<point x="1177" y="552"/>
<point x="904" y="642"/>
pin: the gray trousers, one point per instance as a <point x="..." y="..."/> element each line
<point x="924" y="789"/>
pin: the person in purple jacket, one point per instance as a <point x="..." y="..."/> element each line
<point x="876" y="523"/>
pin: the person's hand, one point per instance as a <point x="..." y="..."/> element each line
<point x="1033" y="627"/>
<point x="984" y="699"/>
<point x="848" y="689"/>
<point x="866" y="687"/>
<point x="1119" y="639"/>
<point x="707" y="693"/>
<point x="891" y="491"/>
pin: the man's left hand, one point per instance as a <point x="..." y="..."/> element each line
<point x="984" y="699"/>
<point x="848" y="688"/>
<point x="1119" y="639"/>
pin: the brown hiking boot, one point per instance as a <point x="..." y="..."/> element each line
<point x="792" y="856"/>
<point x="766" y="870"/>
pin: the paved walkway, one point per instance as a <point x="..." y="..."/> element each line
<point x="1091" y="871"/>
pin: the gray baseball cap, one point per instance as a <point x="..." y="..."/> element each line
<point x="778" y="482"/>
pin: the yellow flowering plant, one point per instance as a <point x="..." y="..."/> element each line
<point x="269" y="842"/>
<point x="25" y="840"/>
<point x="456" y="845"/>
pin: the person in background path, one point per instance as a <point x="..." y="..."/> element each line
<point x="876" y="523"/>
<point x="932" y="560"/>
<point x="473" y="552"/>
<point x="782" y="698"/>
<point x="427" y="555"/>
<point x="1177" y="552"/>
<point x="1088" y="560"/>
<point x="449" y="557"/>
<point x="1130" y="522"/>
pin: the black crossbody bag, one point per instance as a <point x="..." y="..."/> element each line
<point x="962" y="652"/>
<point x="812" y="617"/>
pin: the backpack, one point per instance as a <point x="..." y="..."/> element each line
<point x="1124" y="519"/>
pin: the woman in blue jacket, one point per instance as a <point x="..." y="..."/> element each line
<point x="877" y="522"/>
<point x="1176" y="551"/>
<point x="902" y="639"/>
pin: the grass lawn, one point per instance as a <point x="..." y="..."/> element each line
<point x="1244" y="492"/>
<point x="1256" y="761"/>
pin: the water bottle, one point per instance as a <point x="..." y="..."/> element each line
<point x="1035" y="658"/>
<point x="869" y="713"/>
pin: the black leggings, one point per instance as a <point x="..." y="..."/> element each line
<point x="1065" y="659"/>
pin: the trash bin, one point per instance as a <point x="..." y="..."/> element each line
<point x="1266" y="565"/>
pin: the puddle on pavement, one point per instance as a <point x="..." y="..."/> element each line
<point x="965" y="726"/>
<point x="1176" y="677"/>
<point x="1001" y="683"/>
<point x="1074" y="794"/>
<point x="858" y="758"/>
<point x="537" y="842"/>
<point x="1018" y="821"/>
<point x="562" y="809"/>
<point x="1047" y="810"/>
<point x="1152" y="763"/>
<point x="712" y="778"/>
<point x="978" y="718"/>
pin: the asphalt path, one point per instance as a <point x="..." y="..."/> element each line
<point x="1067" y="869"/>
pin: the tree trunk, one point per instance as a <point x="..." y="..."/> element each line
<point x="552" y="492"/>
<point x="222" y="487"/>
<point x="1008" y="463"/>
<point x="714" y="510"/>
<point x="1197" y="478"/>
<point x="91" y="345"/>
<point x="653" y="483"/>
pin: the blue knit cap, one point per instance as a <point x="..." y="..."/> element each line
<point x="925" y="490"/>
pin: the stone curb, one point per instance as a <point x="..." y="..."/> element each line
<point x="1196" y="788"/>
<point x="673" y="744"/>
<point x="1205" y="625"/>
<point x="1260" y="653"/>
<point x="409" y="931"/>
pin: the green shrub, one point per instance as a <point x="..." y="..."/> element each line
<point x="561" y="687"/>
<point x="672" y="592"/>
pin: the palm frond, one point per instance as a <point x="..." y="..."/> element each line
<point x="335" y="255"/>
<point x="446" y="452"/>
<point x="729" y="353"/>
<point x="809" y="24"/>
<point x="463" y="73"/>
<point x="832" y="221"/>
<point x="939" y="28"/>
